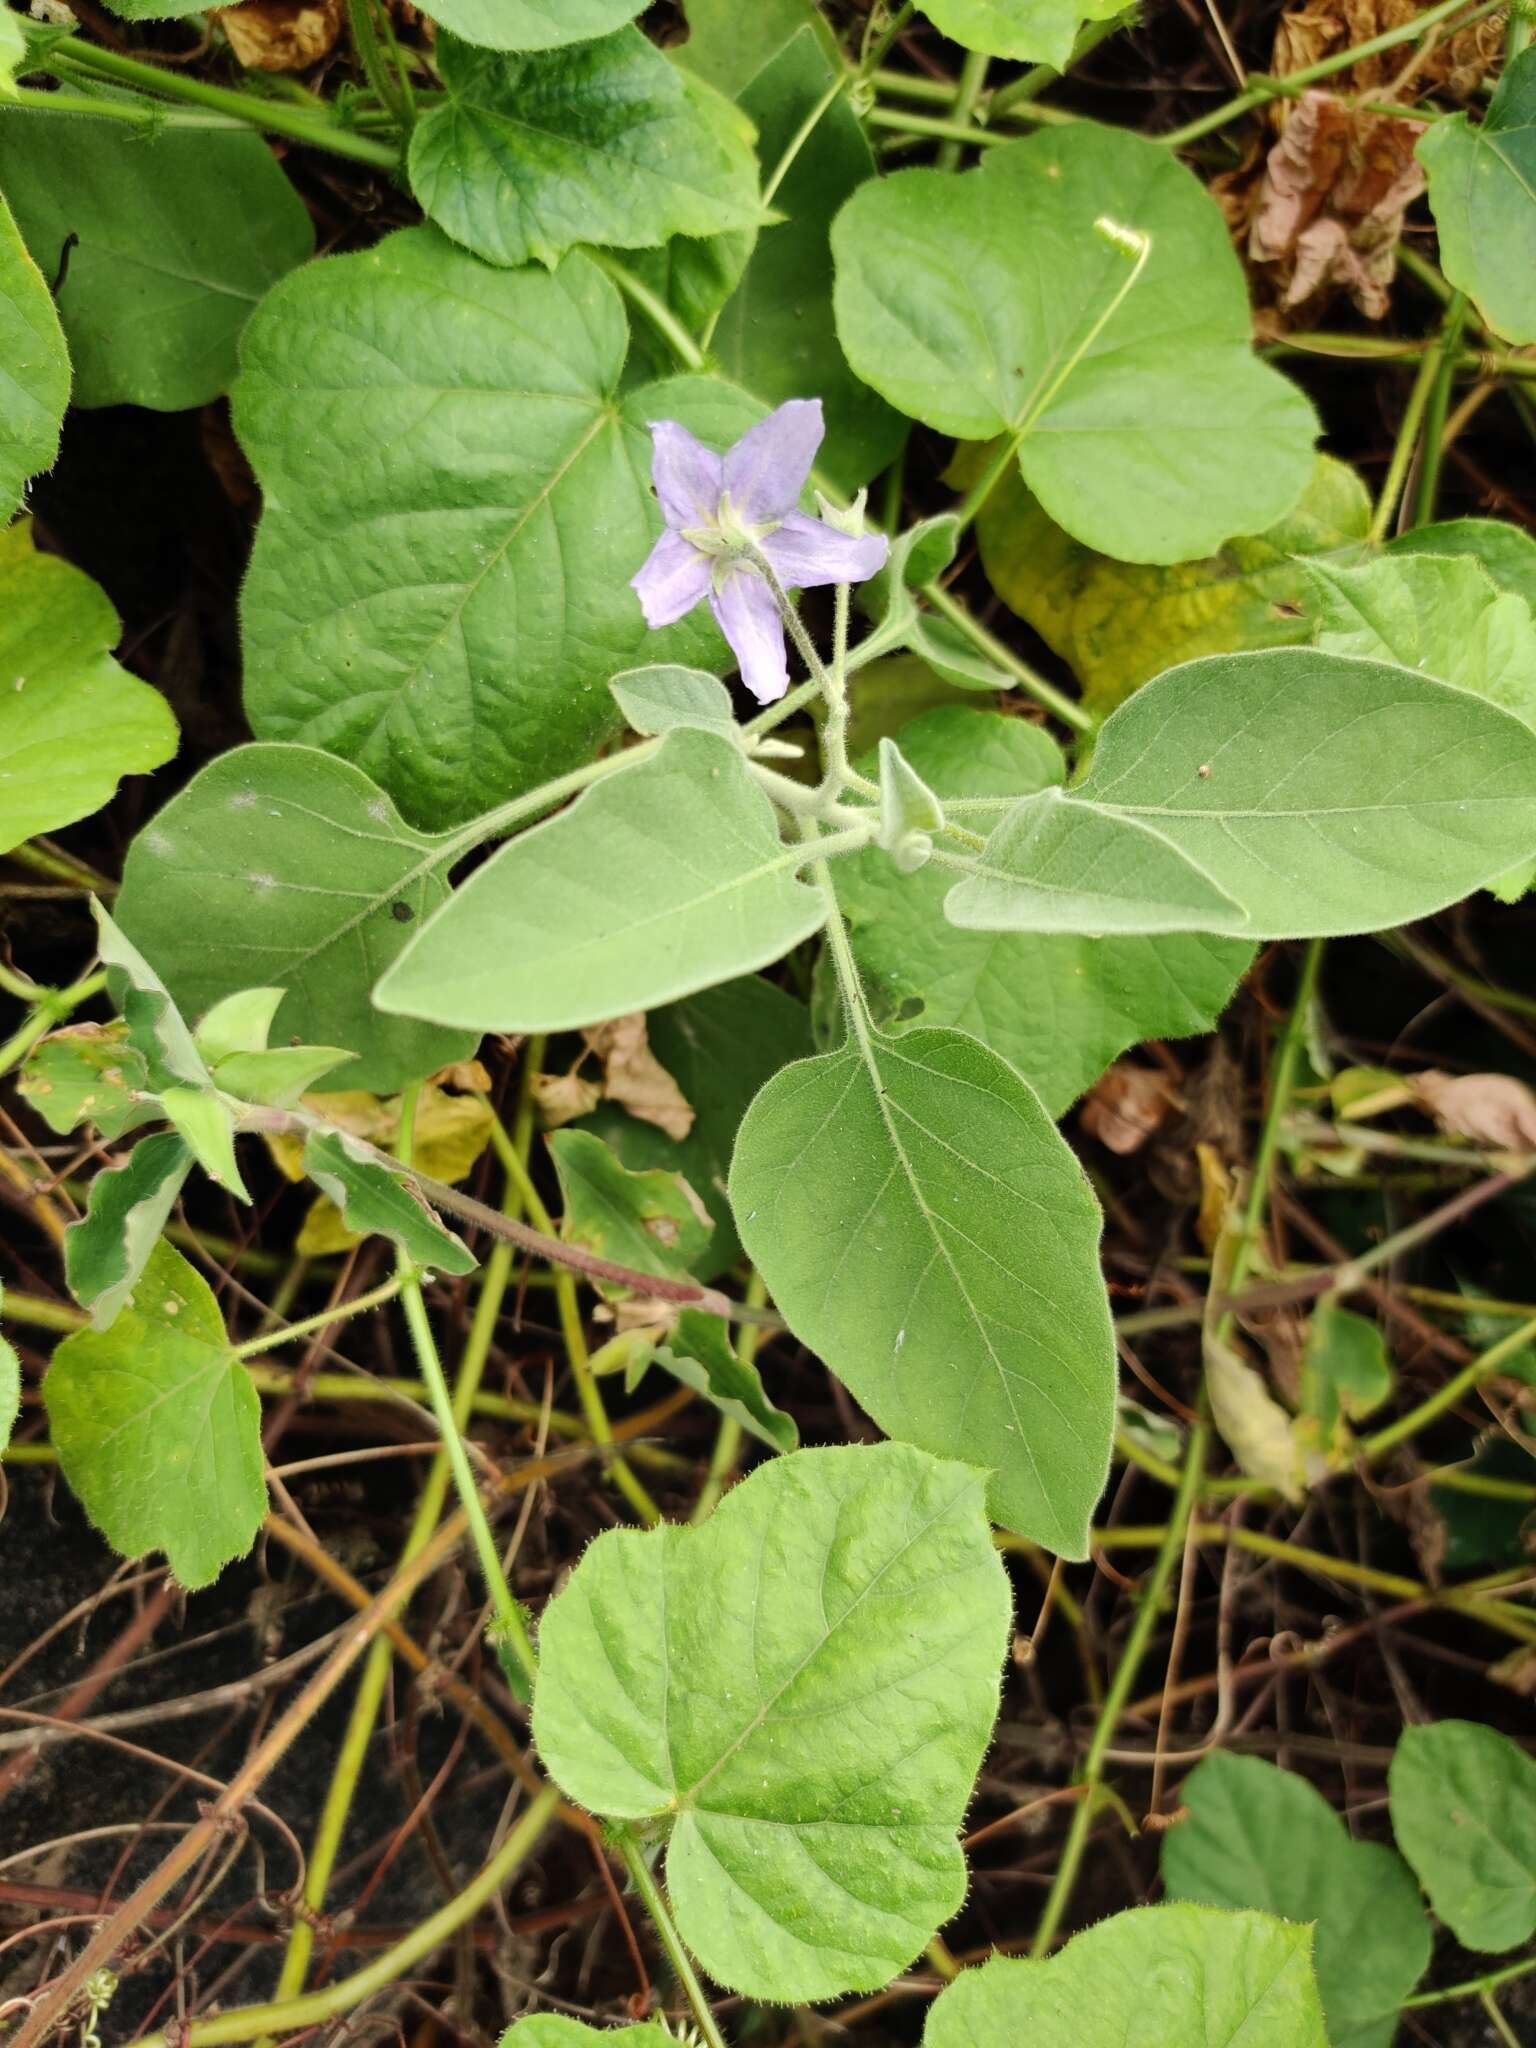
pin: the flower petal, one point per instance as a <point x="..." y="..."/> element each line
<point x="672" y="579"/>
<point x="687" y="476"/>
<point x="806" y="553"/>
<point x="766" y="470"/>
<point x="748" y="617"/>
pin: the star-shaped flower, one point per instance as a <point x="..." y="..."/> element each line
<point x="721" y="508"/>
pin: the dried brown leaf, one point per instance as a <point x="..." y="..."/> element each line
<point x="1494" y="1110"/>
<point x="634" y="1078"/>
<point x="561" y="1098"/>
<point x="1126" y="1105"/>
<point x="281" y="35"/>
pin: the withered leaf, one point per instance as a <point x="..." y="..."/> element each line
<point x="1126" y="1105"/>
<point x="281" y="35"/>
<point x="1494" y="1110"/>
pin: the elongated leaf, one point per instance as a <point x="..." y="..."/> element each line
<point x="104" y="1253"/>
<point x="1441" y="614"/>
<point x="1329" y="794"/>
<point x="1037" y="31"/>
<point x="649" y="1220"/>
<point x="699" y="1352"/>
<point x="72" y="723"/>
<point x="34" y="368"/>
<point x="446" y="461"/>
<point x="1261" y="1837"/>
<point x="923" y="1226"/>
<point x="284" y="865"/>
<point x="158" y="1427"/>
<point x="155" y="1025"/>
<point x="1464" y="1813"/>
<point x="372" y="1199"/>
<point x="533" y="24"/>
<point x="969" y="302"/>
<point x="1149" y="1978"/>
<point x="1057" y="1007"/>
<point x="88" y="1073"/>
<point x="664" y="879"/>
<point x="812" y="1756"/>
<point x="720" y="1047"/>
<point x="1120" y="623"/>
<point x="603" y="141"/>
<point x="776" y="335"/>
<point x="175" y="239"/>
<point x="1482" y="192"/>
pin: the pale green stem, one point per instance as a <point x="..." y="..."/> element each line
<point x="1472" y="1987"/>
<point x="727" y="1449"/>
<point x="656" y="310"/>
<point x="341" y="1311"/>
<point x="973" y="79"/>
<point x="50" y="1008"/>
<point x="997" y="651"/>
<point x="650" y="1896"/>
<point x="1402" y="453"/>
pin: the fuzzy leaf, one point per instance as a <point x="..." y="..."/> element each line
<point x="158" y="1427"/>
<point x="72" y="723"/>
<point x="699" y="1352"/>
<point x="550" y="2030"/>
<point x="963" y="300"/>
<point x="1482" y="192"/>
<point x="1508" y="553"/>
<point x="286" y="864"/>
<point x="924" y="1228"/>
<point x="1256" y="1836"/>
<point x="1464" y="1814"/>
<point x="178" y="235"/>
<point x="601" y="141"/>
<point x="88" y="1073"/>
<point x="34" y="368"/>
<point x="1150" y="1978"/>
<point x="658" y="698"/>
<point x="445" y="457"/>
<point x="812" y="1756"/>
<point x="374" y="1199"/>
<point x="665" y="878"/>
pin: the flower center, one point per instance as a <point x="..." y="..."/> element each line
<point x="728" y="536"/>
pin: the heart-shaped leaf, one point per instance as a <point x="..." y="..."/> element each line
<point x="286" y="864"/>
<point x="72" y="723"/>
<point x="34" y="368"/>
<point x="1482" y="192"/>
<point x="665" y="878"/>
<point x="158" y="1427"/>
<point x="173" y="239"/>
<point x="923" y="1226"/>
<point x="1329" y="794"/>
<point x="1156" y="1977"/>
<point x="1258" y="1836"/>
<point x="602" y="141"/>
<point x="801" y="1690"/>
<point x="1035" y="31"/>
<point x="1058" y="1007"/>
<point x="446" y="459"/>
<point x="1464" y="1813"/>
<point x="978" y="305"/>
<point x="532" y="24"/>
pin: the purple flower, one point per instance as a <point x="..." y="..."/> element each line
<point x="717" y="508"/>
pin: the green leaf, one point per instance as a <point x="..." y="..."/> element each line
<point x="1035" y="31"/>
<point x="664" y="879"/>
<point x="233" y="1036"/>
<point x="445" y="457"/>
<point x="284" y="864"/>
<point x="549" y="2030"/>
<point x="811" y="1756"/>
<point x="10" y="1386"/>
<point x="1150" y="1978"/>
<point x="1345" y="1374"/>
<point x="1120" y="623"/>
<point x="976" y="304"/>
<point x="1482" y="192"/>
<point x="601" y="142"/>
<point x="34" y="368"/>
<point x="72" y="723"/>
<point x="104" y="1253"/>
<point x="720" y="1046"/>
<point x="1464" y="1813"/>
<point x="1057" y="1007"/>
<point x="177" y="237"/>
<point x="776" y="335"/>
<point x="1330" y="794"/>
<point x="729" y="44"/>
<point x="13" y="51"/>
<point x="158" y="1427"/>
<point x="1440" y="614"/>
<point x="155" y="1025"/>
<point x="699" y="1352"/>
<point x="924" y="1228"/>
<point x="658" y="698"/>
<point x="156" y="10"/>
<point x="207" y="1123"/>
<point x="532" y="24"/>
<point x="1507" y="552"/>
<point x="649" y="1220"/>
<point x="693" y="276"/>
<point x="1261" y="1837"/>
<point x="88" y="1073"/>
<point x="374" y="1197"/>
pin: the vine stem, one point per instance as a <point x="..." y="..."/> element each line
<point x="985" y="643"/>
<point x="341" y="1311"/>
<point x="1407" y="440"/>
<point x="1472" y="1987"/>
<point x="650" y="1896"/>
<point x="656" y="310"/>
<point x="1432" y="444"/>
<point x="49" y="1008"/>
